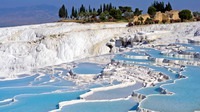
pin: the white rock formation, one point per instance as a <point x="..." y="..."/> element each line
<point x="27" y="47"/>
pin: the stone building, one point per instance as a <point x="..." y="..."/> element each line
<point x="144" y="16"/>
<point x="161" y="16"/>
<point x="168" y="15"/>
<point x="173" y="14"/>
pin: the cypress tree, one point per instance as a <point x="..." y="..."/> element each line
<point x="104" y="7"/>
<point x="82" y="9"/>
<point x="168" y="7"/>
<point x="160" y="6"/>
<point x="62" y="12"/>
<point x="107" y="7"/>
<point x="90" y="10"/>
<point x="66" y="13"/>
<point x="100" y="10"/>
<point x="73" y="11"/>
<point x="110" y="6"/>
<point x="75" y="14"/>
<point x="94" y="10"/>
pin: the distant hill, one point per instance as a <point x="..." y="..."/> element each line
<point x="27" y="15"/>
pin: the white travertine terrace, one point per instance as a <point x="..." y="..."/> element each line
<point x="34" y="46"/>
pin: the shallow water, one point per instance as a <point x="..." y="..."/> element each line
<point x="186" y="94"/>
<point x="195" y="48"/>
<point x="110" y="106"/>
<point x="156" y="88"/>
<point x="157" y="54"/>
<point x="114" y="93"/>
<point x="40" y="103"/>
<point x="18" y="82"/>
<point x="182" y="101"/>
<point x="121" y="57"/>
<point x="88" y="68"/>
<point x="134" y="54"/>
<point x="8" y="93"/>
<point x="34" y="93"/>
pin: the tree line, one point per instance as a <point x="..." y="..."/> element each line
<point x="159" y="6"/>
<point x="104" y="12"/>
<point x="107" y="12"/>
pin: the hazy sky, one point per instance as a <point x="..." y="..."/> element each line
<point x="177" y="4"/>
<point x="19" y="12"/>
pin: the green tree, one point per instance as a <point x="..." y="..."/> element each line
<point x="94" y="10"/>
<point x="66" y="13"/>
<point x="125" y="9"/>
<point x="137" y="12"/>
<point x="100" y="10"/>
<point x="151" y="10"/>
<point x="62" y="12"/>
<point x="94" y="14"/>
<point x="168" y="7"/>
<point x="107" y="7"/>
<point x="128" y="15"/>
<point x="196" y="14"/>
<point x="90" y="10"/>
<point x="160" y="6"/>
<point x="102" y="16"/>
<point x="185" y="14"/>
<point x="82" y="9"/>
<point x="73" y="12"/>
<point x="87" y="15"/>
<point x="107" y="13"/>
<point x="81" y="15"/>
<point x="110" y="7"/>
<point x="116" y="13"/>
<point x="104" y="7"/>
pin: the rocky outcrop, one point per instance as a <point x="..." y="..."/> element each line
<point x="134" y="39"/>
<point x="138" y="97"/>
<point x="197" y="33"/>
<point x="124" y="72"/>
<point x="193" y="41"/>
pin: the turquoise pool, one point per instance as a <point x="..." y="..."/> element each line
<point x="109" y="106"/>
<point x="88" y="68"/>
<point x="40" y="102"/>
<point x="42" y="93"/>
<point x="185" y="98"/>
